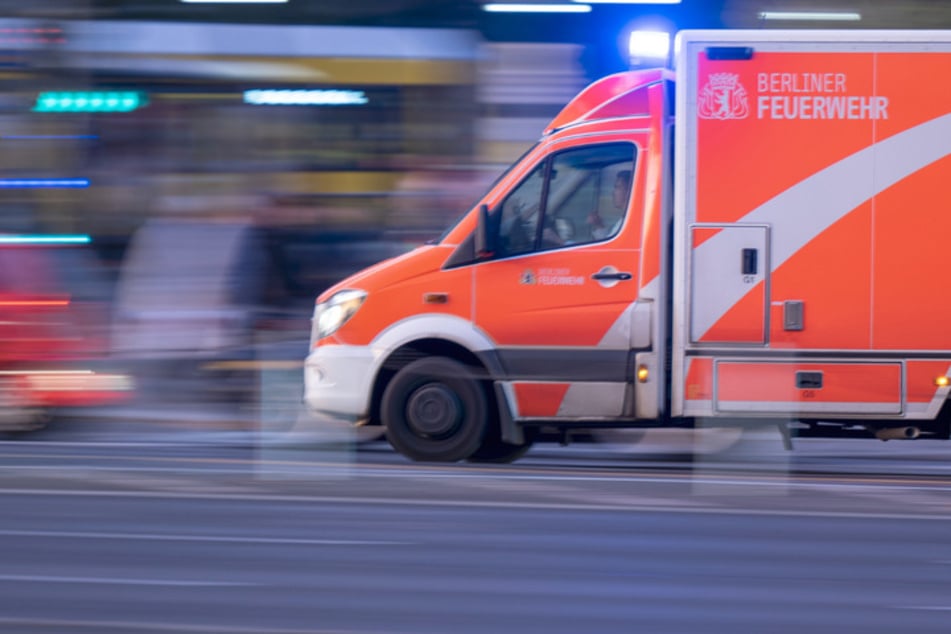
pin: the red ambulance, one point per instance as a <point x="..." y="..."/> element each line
<point x="761" y="236"/>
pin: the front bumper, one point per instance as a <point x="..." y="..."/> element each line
<point x="338" y="381"/>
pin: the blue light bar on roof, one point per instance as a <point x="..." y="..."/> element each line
<point x="649" y="45"/>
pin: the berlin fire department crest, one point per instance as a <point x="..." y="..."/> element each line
<point x="528" y="277"/>
<point x="723" y="97"/>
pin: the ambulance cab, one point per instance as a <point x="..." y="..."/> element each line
<point x="537" y="308"/>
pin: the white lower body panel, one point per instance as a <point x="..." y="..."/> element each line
<point x="338" y="381"/>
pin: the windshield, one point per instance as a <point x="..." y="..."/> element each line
<point x="495" y="182"/>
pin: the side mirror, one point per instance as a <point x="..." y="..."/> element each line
<point x="484" y="238"/>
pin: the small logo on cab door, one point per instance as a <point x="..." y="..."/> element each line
<point x="723" y="97"/>
<point x="528" y="277"/>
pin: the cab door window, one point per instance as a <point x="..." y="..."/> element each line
<point x="574" y="197"/>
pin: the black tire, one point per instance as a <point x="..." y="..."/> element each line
<point x="496" y="450"/>
<point x="435" y="410"/>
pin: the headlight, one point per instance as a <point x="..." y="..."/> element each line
<point x="330" y="315"/>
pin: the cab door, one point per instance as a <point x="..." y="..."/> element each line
<point x="565" y="269"/>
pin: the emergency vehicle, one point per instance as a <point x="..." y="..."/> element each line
<point x="53" y="314"/>
<point x="762" y="238"/>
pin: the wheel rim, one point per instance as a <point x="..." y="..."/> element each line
<point x="434" y="411"/>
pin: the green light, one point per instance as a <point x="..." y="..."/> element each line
<point x="48" y="102"/>
<point x="89" y="101"/>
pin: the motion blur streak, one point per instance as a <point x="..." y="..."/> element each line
<point x="159" y="262"/>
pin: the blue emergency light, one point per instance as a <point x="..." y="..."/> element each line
<point x="646" y="45"/>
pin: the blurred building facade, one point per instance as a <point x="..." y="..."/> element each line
<point x="434" y="99"/>
<point x="403" y="98"/>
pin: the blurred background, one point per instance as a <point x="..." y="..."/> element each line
<point x="181" y="178"/>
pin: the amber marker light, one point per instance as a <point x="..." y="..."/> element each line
<point x="436" y="298"/>
<point x="643" y="373"/>
<point x="942" y="381"/>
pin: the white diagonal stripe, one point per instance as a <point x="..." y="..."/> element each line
<point x="806" y="209"/>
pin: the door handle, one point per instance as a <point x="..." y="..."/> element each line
<point x="621" y="276"/>
<point x="749" y="264"/>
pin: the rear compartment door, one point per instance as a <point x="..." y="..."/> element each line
<point x="729" y="261"/>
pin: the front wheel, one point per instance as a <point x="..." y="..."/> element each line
<point x="435" y="410"/>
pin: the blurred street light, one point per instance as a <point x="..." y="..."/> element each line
<point x="499" y="7"/>
<point x="811" y="15"/>
<point x="630" y="1"/>
<point x="235" y="1"/>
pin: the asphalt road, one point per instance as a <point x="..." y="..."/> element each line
<point x="163" y="533"/>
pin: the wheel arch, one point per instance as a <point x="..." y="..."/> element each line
<point x="484" y="364"/>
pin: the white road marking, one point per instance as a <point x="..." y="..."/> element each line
<point x="522" y="505"/>
<point x="248" y="469"/>
<point x="185" y="583"/>
<point x="200" y="538"/>
<point x="146" y="626"/>
<point x="163" y="444"/>
<point x="780" y="479"/>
